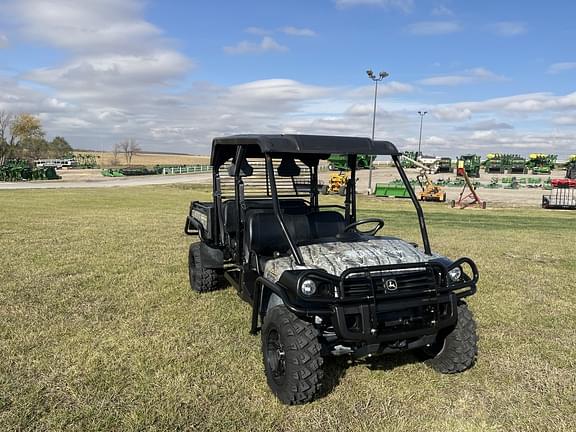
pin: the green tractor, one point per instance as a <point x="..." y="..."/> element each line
<point x="445" y="165"/>
<point x="338" y="162"/>
<point x="471" y="164"/>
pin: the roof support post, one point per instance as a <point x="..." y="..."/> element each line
<point x="350" y="201"/>
<point x="275" y="203"/>
<point x="420" y="213"/>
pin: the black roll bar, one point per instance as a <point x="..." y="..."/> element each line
<point x="420" y="213"/>
<point x="277" y="212"/>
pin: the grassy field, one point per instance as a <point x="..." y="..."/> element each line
<point x="99" y="329"/>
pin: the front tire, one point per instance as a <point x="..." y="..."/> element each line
<point x="202" y="279"/>
<point x="292" y="357"/>
<point x="456" y="350"/>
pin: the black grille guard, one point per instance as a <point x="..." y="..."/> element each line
<point x="463" y="288"/>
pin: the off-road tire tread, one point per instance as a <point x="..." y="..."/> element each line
<point x="461" y="346"/>
<point x="303" y="353"/>
<point x="207" y="279"/>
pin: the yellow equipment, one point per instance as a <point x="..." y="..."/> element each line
<point x="430" y="190"/>
<point x="336" y="184"/>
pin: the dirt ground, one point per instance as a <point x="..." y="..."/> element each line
<point x="88" y="178"/>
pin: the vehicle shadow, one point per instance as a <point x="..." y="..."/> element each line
<point x="391" y="361"/>
<point x="334" y="370"/>
<point x="336" y="367"/>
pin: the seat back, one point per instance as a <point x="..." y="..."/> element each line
<point x="230" y="210"/>
<point x="264" y="234"/>
<point x="326" y="224"/>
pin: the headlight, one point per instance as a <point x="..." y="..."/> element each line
<point x="308" y="287"/>
<point x="455" y="274"/>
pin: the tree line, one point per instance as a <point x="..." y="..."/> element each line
<point x="22" y="137"/>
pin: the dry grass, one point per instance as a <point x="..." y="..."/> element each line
<point x="100" y="331"/>
<point x="151" y="159"/>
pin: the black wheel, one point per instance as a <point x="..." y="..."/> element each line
<point x="292" y="357"/>
<point x="456" y="350"/>
<point x="324" y="190"/>
<point x="202" y="279"/>
<point x="452" y="203"/>
<point x="342" y="191"/>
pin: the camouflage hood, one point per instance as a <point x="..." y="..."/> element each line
<point x="336" y="257"/>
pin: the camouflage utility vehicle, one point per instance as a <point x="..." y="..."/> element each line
<point x="320" y="281"/>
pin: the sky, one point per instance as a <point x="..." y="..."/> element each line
<point x="493" y="76"/>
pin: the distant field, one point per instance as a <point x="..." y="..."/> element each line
<point x="99" y="329"/>
<point x="151" y="158"/>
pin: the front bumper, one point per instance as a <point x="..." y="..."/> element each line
<point x="387" y="303"/>
<point x="394" y="321"/>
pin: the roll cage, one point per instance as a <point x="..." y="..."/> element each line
<point x="309" y="150"/>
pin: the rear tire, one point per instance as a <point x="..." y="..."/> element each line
<point x="292" y="357"/>
<point x="342" y="191"/>
<point x="455" y="351"/>
<point x="324" y="190"/>
<point x="202" y="279"/>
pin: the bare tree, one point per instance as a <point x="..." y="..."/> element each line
<point x="129" y="147"/>
<point x="115" y="152"/>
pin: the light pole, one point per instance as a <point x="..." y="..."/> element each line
<point x="422" y="114"/>
<point x="376" y="79"/>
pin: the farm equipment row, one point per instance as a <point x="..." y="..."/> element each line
<point x="20" y="170"/>
<point x="495" y="163"/>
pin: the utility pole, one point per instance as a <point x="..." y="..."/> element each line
<point x="422" y="114"/>
<point x="376" y="80"/>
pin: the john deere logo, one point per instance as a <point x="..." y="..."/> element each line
<point x="391" y="285"/>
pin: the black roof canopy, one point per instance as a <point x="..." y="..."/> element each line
<point x="224" y="148"/>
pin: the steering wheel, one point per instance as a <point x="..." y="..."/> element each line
<point x="379" y="224"/>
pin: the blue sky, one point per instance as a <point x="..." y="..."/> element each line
<point x="493" y="76"/>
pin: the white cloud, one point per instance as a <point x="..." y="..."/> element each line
<point x="508" y="28"/>
<point x="155" y="68"/>
<point x="450" y="113"/>
<point x="267" y="44"/>
<point x="85" y="26"/>
<point x="486" y="125"/>
<point x="296" y="31"/>
<point x="430" y="28"/>
<point x="259" y="31"/>
<point x="402" y="5"/>
<point x="3" y="41"/>
<point x="466" y="77"/>
<point x="442" y="10"/>
<point x="566" y="120"/>
<point x="394" y="87"/>
<point x="556" y="68"/>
